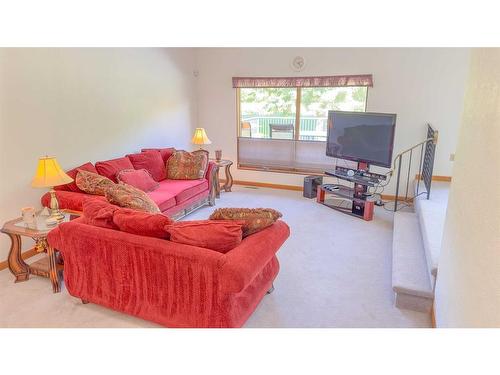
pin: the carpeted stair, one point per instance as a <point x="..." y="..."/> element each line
<point x="410" y="277"/>
<point x="416" y="247"/>
<point x="431" y="217"/>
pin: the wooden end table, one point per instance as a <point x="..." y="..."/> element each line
<point x="228" y="183"/>
<point x="49" y="266"/>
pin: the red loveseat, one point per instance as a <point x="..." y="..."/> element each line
<point x="175" y="198"/>
<point x="168" y="283"/>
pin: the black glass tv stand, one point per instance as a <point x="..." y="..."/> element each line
<point x="356" y="200"/>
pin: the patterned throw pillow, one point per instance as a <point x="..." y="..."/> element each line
<point x="92" y="183"/>
<point x="127" y="196"/>
<point x="89" y="167"/>
<point x="255" y="219"/>
<point x="183" y="165"/>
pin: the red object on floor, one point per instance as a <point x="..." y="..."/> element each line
<point x="172" y="284"/>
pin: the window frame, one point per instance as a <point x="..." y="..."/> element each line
<point x="296" y="136"/>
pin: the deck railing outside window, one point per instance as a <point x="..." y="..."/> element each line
<point x="311" y="128"/>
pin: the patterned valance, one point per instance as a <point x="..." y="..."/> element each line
<point x="323" y="81"/>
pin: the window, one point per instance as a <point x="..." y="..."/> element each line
<point x="268" y="112"/>
<point x="315" y="103"/>
<point x="285" y="128"/>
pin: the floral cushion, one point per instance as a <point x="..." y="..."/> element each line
<point x="255" y="219"/>
<point x="89" y="167"/>
<point x="92" y="183"/>
<point x="127" y="196"/>
<point x="138" y="178"/>
<point x="183" y="165"/>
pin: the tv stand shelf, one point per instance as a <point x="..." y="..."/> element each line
<point x="338" y="190"/>
<point x="356" y="200"/>
<point x="346" y="199"/>
<point x="357" y="178"/>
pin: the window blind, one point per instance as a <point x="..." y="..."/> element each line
<point x="283" y="154"/>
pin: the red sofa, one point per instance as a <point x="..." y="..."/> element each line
<point x="169" y="283"/>
<point x="175" y="198"/>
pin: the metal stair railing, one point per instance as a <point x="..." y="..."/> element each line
<point x="426" y="166"/>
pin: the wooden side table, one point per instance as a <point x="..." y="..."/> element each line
<point x="46" y="267"/>
<point x="228" y="184"/>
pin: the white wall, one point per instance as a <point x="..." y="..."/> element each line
<point x="420" y="85"/>
<point x="468" y="282"/>
<point x="87" y="105"/>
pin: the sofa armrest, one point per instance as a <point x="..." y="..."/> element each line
<point x="70" y="200"/>
<point x="240" y="265"/>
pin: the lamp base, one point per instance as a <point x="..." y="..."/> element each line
<point x="58" y="215"/>
<point x="55" y="212"/>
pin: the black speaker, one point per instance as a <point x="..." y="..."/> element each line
<point x="311" y="184"/>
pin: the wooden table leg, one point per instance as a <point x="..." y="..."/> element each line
<point x="53" y="273"/>
<point x="320" y="196"/>
<point x="229" y="179"/>
<point x="16" y="263"/>
<point x="217" y="184"/>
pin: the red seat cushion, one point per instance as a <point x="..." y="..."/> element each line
<point x="99" y="214"/>
<point x="141" y="223"/>
<point x="110" y="168"/>
<point x="150" y="161"/>
<point x="163" y="198"/>
<point x="138" y="178"/>
<point x="182" y="190"/>
<point x="89" y="167"/>
<point x="220" y="236"/>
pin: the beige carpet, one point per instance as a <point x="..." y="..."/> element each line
<point x="335" y="272"/>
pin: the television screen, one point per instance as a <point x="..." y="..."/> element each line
<point x="361" y="136"/>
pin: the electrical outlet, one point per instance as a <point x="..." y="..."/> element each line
<point x="452" y="157"/>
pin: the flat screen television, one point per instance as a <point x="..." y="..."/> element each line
<point x="361" y="136"/>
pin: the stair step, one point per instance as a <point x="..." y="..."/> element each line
<point x="410" y="280"/>
<point x="431" y="218"/>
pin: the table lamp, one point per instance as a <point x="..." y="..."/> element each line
<point x="200" y="138"/>
<point x="50" y="174"/>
